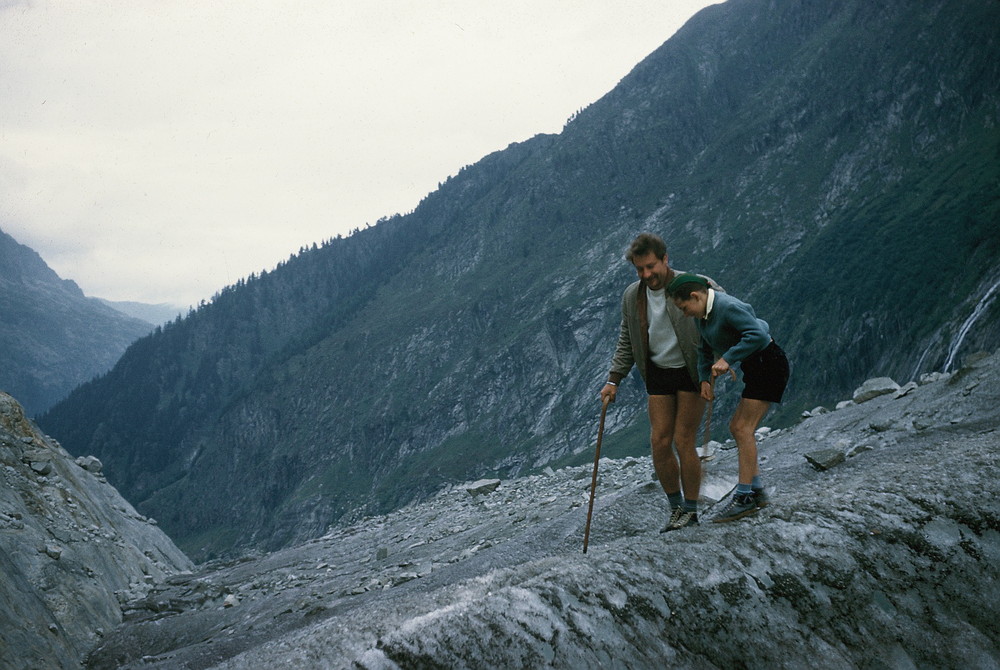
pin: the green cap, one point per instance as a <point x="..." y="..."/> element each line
<point x="686" y="278"/>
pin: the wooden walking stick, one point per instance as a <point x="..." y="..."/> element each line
<point x="593" y="481"/>
<point x="707" y="437"/>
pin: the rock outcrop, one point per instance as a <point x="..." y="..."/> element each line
<point x="72" y="550"/>
<point x="888" y="559"/>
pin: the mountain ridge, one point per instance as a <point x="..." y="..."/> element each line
<point x="154" y="314"/>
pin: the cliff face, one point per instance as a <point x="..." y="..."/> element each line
<point x="832" y="163"/>
<point x="880" y="548"/>
<point x="52" y="337"/>
<point x="72" y="550"/>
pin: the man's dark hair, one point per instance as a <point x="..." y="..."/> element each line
<point x="645" y="243"/>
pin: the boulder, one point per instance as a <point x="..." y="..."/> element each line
<point x="824" y="459"/>
<point x="90" y="464"/>
<point x="42" y="468"/>
<point x="874" y="388"/>
<point x="482" y="487"/>
<point x="931" y="377"/>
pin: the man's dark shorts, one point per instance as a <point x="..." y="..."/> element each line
<point x="765" y="374"/>
<point x="668" y="381"/>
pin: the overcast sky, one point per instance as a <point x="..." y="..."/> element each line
<point x="159" y="150"/>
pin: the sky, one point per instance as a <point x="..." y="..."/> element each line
<point x="160" y="150"/>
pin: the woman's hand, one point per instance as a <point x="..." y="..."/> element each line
<point x="720" y="367"/>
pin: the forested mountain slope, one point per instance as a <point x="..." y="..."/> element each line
<point x="833" y="163"/>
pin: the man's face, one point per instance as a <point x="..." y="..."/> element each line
<point x="653" y="271"/>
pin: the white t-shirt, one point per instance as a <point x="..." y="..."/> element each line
<point x="664" y="349"/>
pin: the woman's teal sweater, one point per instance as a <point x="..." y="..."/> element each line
<point x="731" y="330"/>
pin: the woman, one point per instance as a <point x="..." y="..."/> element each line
<point x="731" y="333"/>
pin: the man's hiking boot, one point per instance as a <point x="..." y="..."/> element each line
<point x="684" y="520"/>
<point x="675" y="514"/>
<point x="760" y="495"/>
<point x="739" y="506"/>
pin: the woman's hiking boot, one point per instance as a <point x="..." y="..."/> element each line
<point x="760" y="495"/>
<point x="739" y="506"/>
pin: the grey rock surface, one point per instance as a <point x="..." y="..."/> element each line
<point x="887" y="560"/>
<point x="71" y="550"/>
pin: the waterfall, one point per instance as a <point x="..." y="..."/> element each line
<point x="923" y="356"/>
<point x="967" y="326"/>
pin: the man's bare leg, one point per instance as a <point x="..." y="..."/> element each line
<point x="662" y="418"/>
<point x="690" y="407"/>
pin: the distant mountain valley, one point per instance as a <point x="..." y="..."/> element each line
<point x="53" y="337"/>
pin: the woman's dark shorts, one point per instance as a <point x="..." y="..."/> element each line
<point x="765" y="374"/>
<point x="668" y="381"/>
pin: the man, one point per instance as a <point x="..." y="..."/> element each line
<point x="662" y="343"/>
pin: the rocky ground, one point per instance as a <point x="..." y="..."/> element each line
<point x="72" y="550"/>
<point x="880" y="550"/>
